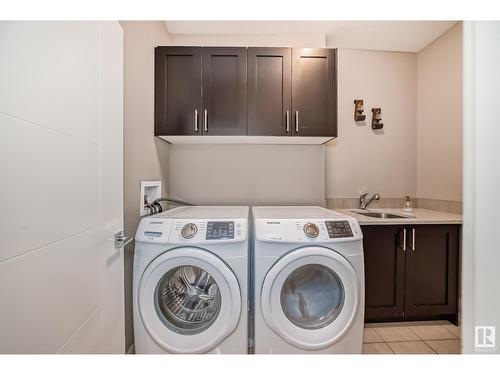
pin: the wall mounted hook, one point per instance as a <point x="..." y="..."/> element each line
<point x="358" y="110"/>
<point x="376" y="118"/>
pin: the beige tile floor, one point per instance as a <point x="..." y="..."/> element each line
<point x="411" y="338"/>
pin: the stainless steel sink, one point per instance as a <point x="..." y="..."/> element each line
<point x="382" y="215"/>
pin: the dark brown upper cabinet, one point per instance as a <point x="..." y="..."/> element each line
<point x="411" y="272"/>
<point x="177" y="90"/>
<point x="224" y="91"/>
<point x="314" y="92"/>
<point x="245" y="91"/>
<point x="269" y="91"/>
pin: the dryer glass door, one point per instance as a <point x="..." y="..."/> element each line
<point x="310" y="297"/>
<point x="189" y="300"/>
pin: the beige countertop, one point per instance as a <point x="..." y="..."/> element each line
<point x="417" y="216"/>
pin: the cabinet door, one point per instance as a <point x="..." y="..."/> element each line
<point x="314" y="92"/>
<point x="269" y="91"/>
<point x="384" y="272"/>
<point x="177" y="90"/>
<point x="432" y="271"/>
<point x="224" y="91"/>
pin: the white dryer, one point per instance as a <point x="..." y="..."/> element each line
<point x="309" y="281"/>
<point x="190" y="281"/>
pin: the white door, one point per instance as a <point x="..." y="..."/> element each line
<point x="310" y="297"/>
<point x="61" y="279"/>
<point x="112" y="281"/>
<point x="189" y="300"/>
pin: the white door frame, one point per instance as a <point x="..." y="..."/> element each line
<point x="481" y="255"/>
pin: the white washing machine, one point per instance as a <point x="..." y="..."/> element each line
<point x="309" y="281"/>
<point x="190" y="281"/>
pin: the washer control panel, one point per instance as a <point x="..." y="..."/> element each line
<point x="220" y="230"/>
<point x="198" y="231"/>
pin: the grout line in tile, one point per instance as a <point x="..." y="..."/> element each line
<point x="422" y="339"/>
<point x="430" y="347"/>
<point x="393" y="352"/>
<point x="419" y="339"/>
<point x="415" y="333"/>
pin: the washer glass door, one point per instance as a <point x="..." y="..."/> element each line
<point x="310" y="297"/>
<point x="189" y="300"/>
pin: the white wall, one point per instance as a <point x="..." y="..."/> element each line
<point x="481" y="255"/>
<point x="248" y="174"/>
<point x="51" y="114"/>
<point x="252" y="40"/>
<point x="145" y="156"/>
<point x="439" y="118"/>
<point x="361" y="159"/>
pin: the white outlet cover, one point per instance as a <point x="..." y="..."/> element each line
<point x="153" y="190"/>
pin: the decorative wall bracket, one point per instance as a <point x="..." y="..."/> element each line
<point x="358" y="110"/>
<point x="376" y="118"/>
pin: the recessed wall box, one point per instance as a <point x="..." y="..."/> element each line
<point x="150" y="190"/>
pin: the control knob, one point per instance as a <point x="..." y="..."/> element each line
<point x="311" y="230"/>
<point x="189" y="230"/>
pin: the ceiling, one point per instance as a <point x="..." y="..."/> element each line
<point x="407" y="36"/>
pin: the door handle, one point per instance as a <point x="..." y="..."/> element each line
<point x="404" y="239"/>
<point x="413" y="239"/>
<point x="196" y="121"/>
<point x="287" y="121"/>
<point x="120" y="240"/>
<point x="296" y="121"/>
<point x="206" y="121"/>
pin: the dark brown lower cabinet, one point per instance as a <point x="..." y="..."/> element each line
<point x="411" y="272"/>
<point x="384" y="272"/>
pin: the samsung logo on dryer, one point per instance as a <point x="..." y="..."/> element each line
<point x="156" y="222"/>
<point x="273" y="222"/>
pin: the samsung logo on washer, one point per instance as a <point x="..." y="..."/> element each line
<point x="156" y="222"/>
<point x="273" y="222"/>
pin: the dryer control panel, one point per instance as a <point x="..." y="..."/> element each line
<point x="339" y="229"/>
<point x="314" y="230"/>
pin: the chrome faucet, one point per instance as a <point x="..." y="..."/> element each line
<point x="364" y="202"/>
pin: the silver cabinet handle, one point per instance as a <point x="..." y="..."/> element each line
<point x="196" y="121"/>
<point x="287" y="121"/>
<point x="404" y="239"/>
<point x="121" y="241"/>
<point x="206" y="120"/>
<point x="413" y="239"/>
<point x="296" y="121"/>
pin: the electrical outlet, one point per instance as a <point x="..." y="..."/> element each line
<point x="150" y="190"/>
